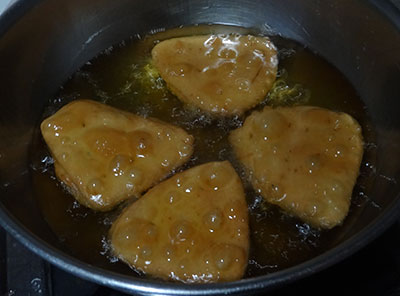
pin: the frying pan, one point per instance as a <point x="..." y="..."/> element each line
<point x="43" y="42"/>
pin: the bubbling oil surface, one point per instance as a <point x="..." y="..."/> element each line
<point x="277" y="240"/>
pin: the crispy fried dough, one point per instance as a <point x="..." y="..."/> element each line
<point x="304" y="159"/>
<point x="192" y="227"/>
<point x="221" y="74"/>
<point x="105" y="155"/>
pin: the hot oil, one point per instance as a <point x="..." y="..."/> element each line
<point x="118" y="77"/>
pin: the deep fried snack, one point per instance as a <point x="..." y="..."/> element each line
<point x="221" y="74"/>
<point x="192" y="227"/>
<point x="304" y="159"/>
<point x="105" y="155"/>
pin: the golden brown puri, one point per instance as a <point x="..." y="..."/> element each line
<point x="222" y="74"/>
<point x="304" y="159"/>
<point x="192" y="227"/>
<point x="105" y="155"/>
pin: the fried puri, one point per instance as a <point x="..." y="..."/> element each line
<point x="104" y="155"/>
<point x="221" y="74"/>
<point x="304" y="159"/>
<point x="192" y="227"/>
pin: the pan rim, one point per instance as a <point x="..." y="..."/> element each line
<point x="146" y="286"/>
<point x="270" y="281"/>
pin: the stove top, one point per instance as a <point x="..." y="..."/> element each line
<point x="375" y="270"/>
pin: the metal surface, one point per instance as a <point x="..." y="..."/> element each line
<point x="43" y="42"/>
<point x="396" y="3"/>
<point x="357" y="275"/>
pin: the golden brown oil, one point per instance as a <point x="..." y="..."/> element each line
<point x="277" y="240"/>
